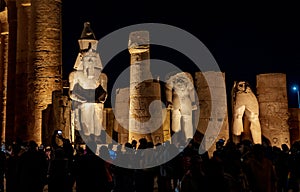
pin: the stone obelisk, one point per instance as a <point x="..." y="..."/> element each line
<point x="145" y="111"/>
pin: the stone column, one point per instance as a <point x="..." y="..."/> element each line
<point x="22" y="61"/>
<point x="273" y="107"/>
<point x="143" y="92"/>
<point x="3" y="70"/>
<point x="10" y="133"/>
<point x="213" y="115"/>
<point x="45" y="75"/>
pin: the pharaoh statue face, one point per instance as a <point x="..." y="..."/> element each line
<point x="89" y="66"/>
<point x="243" y="86"/>
<point x="180" y="84"/>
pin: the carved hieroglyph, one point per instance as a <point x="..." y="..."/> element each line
<point x="145" y="110"/>
<point x="213" y="122"/>
<point x="273" y="104"/>
<point x="180" y="95"/>
<point x="245" y="105"/>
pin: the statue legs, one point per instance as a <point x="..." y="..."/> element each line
<point x="187" y="126"/>
<point x="255" y="127"/>
<point x="76" y="119"/>
<point x="182" y="123"/>
<point x="91" y="118"/>
<point x="176" y="116"/>
<point x="237" y="127"/>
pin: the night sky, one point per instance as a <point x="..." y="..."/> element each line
<point x="244" y="41"/>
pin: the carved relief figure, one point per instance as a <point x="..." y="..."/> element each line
<point x="244" y="103"/>
<point x="180" y="97"/>
<point x="88" y="91"/>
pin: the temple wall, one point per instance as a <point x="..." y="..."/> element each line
<point x="273" y="107"/>
<point x="121" y="112"/>
<point x="294" y="124"/>
<point x="213" y="122"/>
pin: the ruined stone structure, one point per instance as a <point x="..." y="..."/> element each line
<point x="294" y="124"/>
<point x="213" y="116"/>
<point x="32" y="65"/>
<point x="121" y="125"/>
<point x="33" y="102"/>
<point x="273" y="105"/>
<point x="145" y="110"/>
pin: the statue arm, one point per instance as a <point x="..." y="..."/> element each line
<point x="72" y="82"/>
<point x="101" y="91"/>
<point x="169" y="96"/>
<point x="193" y="98"/>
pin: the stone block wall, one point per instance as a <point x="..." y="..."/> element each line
<point x="294" y="124"/>
<point x="213" y="115"/>
<point x="273" y="107"/>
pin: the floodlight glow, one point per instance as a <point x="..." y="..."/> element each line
<point x="294" y="88"/>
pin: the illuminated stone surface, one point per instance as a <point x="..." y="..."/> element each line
<point x="213" y="121"/>
<point x="30" y="73"/>
<point x="121" y="111"/>
<point x="44" y="72"/>
<point x="245" y="108"/>
<point x="180" y="95"/>
<point x="294" y="124"/>
<point x="143" y="92"/>
<point x="273" y="104"/>
<point x="85" y="82"/>
<point x="3" y="70"/>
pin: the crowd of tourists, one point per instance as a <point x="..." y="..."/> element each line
<point x="242" y="167"/>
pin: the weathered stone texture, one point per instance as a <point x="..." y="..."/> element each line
<point x="11" y="71"/>
<point x="3" y="70"/>
<point x="45" y="72"/>
<point x="213" y="115"/>
<point x="57" y="117"/>
<point x="143" y="91"/>
<point x="121" y="112"/>
<point x="108" y="123"/>
<point x="273" y="105"/>
<point x="294" y="124"/>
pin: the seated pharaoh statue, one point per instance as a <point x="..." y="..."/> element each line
<point x="245" y="107"/>
<point x="88" y="93"/>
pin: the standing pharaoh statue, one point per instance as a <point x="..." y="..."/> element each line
<point x="180" y="95"/>
<point x="245" y="105"/>
<point x="88" y="87"/>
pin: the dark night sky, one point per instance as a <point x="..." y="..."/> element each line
<point x="244" y="41"/>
